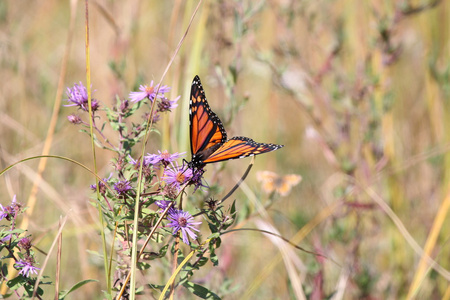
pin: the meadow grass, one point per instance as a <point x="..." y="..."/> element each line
<point x="357" y="91"/>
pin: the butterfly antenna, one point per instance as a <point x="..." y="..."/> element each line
<point x="239" y="182"/>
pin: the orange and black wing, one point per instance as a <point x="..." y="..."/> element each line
<point x="207" y="131"/>
<point x="239" y="147"/>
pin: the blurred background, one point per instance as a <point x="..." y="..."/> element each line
<point x="357" y="91"/>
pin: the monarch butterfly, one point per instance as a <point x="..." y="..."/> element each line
<point x="209" y="142"/>
<point x="281" y="184"/>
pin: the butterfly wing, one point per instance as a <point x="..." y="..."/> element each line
<point x="266" y="176"/>
<point x="239" y="147"/>
<point x="208" y="136"/>
<point x="267" y="179"/>
<point x="285" y="183"/>
<point x="207" y="131"/>
<point x="282" y="184"/>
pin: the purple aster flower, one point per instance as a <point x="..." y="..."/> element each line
<point x="133" y="161"/>
<point x="26" y="266"/>
<point x="122" y="187"/>
<point x="196" y="179"/>
<point x="10" y="212"/>
<point x="167" y="105"/>
<point x="182" y="220"/>
<point x="78" y="96"/>
<point x="119" y="164"/>
<point x="25" y="244"/>
<point x="212" y="203"/>
<point x="155" y="117"/>
<point x="162" y="204"/>
<point x="148" y="92"/>
<point x="101" y="185"/>
<point x="124" y="106"/>
<point x="136" y="162"/>
<point x="170" y="191"/>
<point x="165" y="158"/>
<point x="152" y="159"/>
<point x="6" y="238"/>
<point x="74" y="119"/>
<point x="146" y="170"/>
<point x="3" y="212"/>
<point x="177" y="176"/>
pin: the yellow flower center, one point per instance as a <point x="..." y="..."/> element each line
<point x="149" y="90"/>
<point x="165" y="155"/>
<point x="182" y="221"/>
<point x="180" y="177"/>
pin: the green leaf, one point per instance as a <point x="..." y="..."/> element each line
<point x="6" y="296"/>
<point x="30" y="288"/>
<point x="212" y="254"/>
<point x="214" y="235"/>
<point x="14" y="232"/>
<point x="233" y="209"/>
<point x="4" y="267"/>
<point x="107" y="296"/>
<point x="143" y="265"/>
<point x="162" y="252"/>
<point x="212" y="226"/>
<point x="218" y="242"/>
<point x="103" y="127"/>
<point x="200" y="291"/>
<point x="29" y="291"/>
<point x="16" y="283"/>
<point x="96" y="141"/>
<point x="214" y="259"/>
<point x="201" y="262"/>
<point x="63" y="294"/>
<point x="156" y="287"/>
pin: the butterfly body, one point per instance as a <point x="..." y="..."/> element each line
<point x="209" y="141"/>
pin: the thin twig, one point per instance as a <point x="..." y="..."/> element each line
<point x="239" y="182"/>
